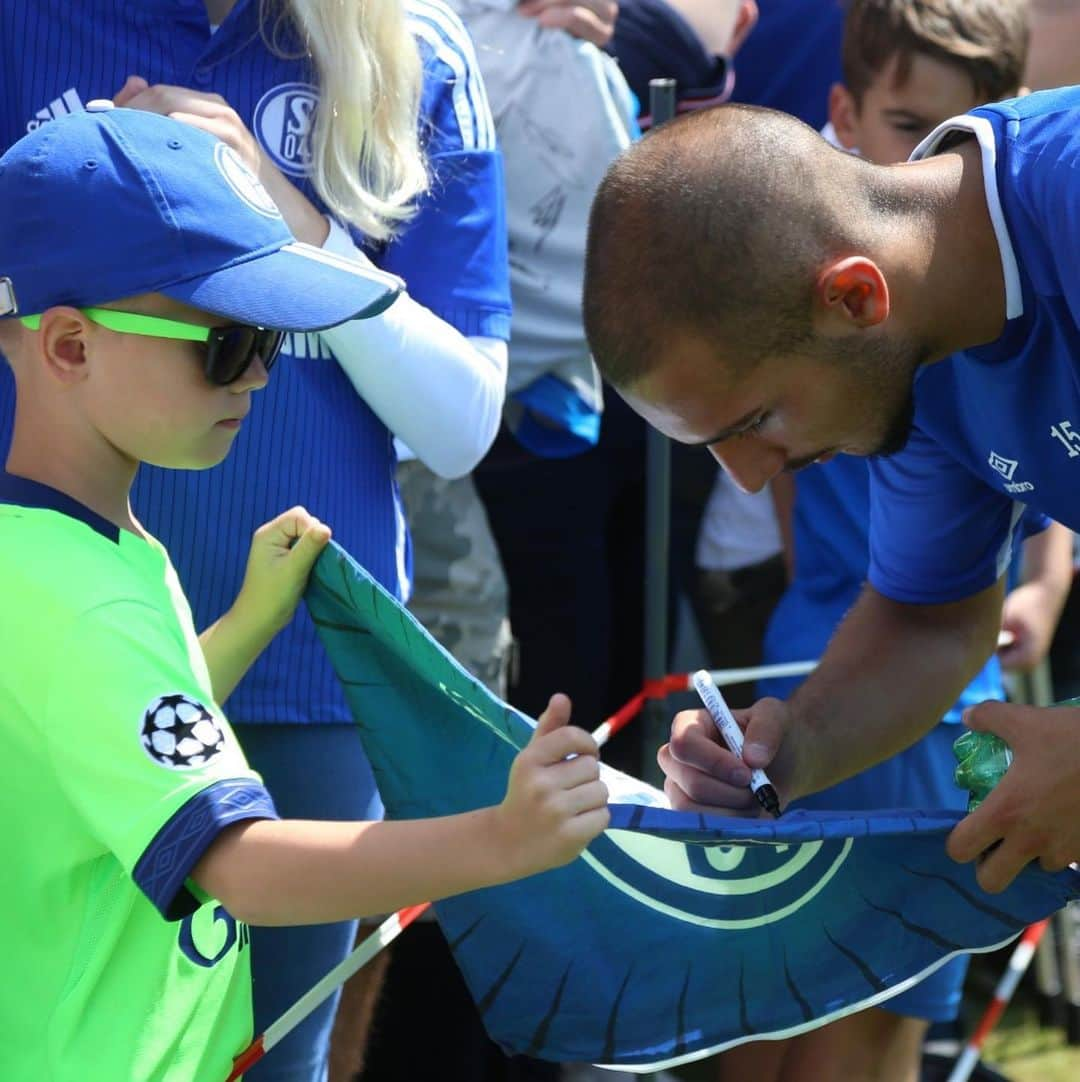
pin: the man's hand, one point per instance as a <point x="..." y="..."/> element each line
<point x="1034" y="812"/>
<point x="703" y="775"/>
<point x="589" y="20"/>
<point x="554" y="805"/>
<point x="283" y="551"/>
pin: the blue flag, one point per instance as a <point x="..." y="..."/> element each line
<point x="674" y="935"/>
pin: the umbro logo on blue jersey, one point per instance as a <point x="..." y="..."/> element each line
<point x="1007" y="467"/>
<point x="68" y="102"/>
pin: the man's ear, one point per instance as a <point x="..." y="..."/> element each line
<point x="844" y="116"/>
<point x="851" y="293"/>
<point x="61" y="344"/>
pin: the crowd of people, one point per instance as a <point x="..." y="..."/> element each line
<point x="398" y="207"/>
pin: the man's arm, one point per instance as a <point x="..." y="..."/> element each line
<point x="889" y="675"/>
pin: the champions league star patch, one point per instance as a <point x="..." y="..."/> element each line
<point x="674" y="935"/>
<point x="180" y="733"/>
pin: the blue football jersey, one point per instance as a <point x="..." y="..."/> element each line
<point x="310" y="439"/>
<point x="997" y="427"/>
<point x="831" y="524"/>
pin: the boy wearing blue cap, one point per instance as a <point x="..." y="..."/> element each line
<point x="146" y="280"/>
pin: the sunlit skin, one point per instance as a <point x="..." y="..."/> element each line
<point x="893" y="118"/>
<point x="778" y="417"/>
<point x="933" y="279"/>
<point x="891" y="121"/>
<point x="119" y="399"/>
<point x="155" y="403"/>
<point x="876" y="315"/>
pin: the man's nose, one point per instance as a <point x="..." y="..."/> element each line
<point x="751" y="463"/>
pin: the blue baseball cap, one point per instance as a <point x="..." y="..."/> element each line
<point x="111" y="203"/>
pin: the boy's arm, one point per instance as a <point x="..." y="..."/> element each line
<point x="283" y="552"/>
<point x="1031" y="611"/>
<point x="271" y="872"/>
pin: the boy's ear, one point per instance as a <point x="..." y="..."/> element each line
<point x="745" y="21"/>
<point x="844" y="116"/>
<point x="62" y="344"/>
<point x="851" y="294"/>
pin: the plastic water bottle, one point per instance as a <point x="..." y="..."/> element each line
<point x="982" y="759"/>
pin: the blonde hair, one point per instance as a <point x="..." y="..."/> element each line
<point x="366" y="165"/>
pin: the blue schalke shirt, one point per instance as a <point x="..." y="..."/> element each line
<point x="997" y="427"/>
<point x="310" y="439"/>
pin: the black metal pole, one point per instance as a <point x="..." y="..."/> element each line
<point x="657" y="528"/>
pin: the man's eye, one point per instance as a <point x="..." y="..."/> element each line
<point x="755" y="425"/>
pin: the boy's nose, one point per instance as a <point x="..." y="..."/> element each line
<point x="253" y="378"/>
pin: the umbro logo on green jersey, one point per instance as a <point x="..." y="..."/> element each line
<point x="180" y="733"/>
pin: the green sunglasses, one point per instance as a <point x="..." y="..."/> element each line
<point x="229" y="349"/>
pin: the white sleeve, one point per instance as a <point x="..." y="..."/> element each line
<point x="438" y="391"/>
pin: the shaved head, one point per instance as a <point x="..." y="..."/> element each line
<point x="714" y="226"/>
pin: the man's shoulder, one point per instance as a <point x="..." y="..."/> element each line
<point x="1041" y="104"/>
<point x="1036" y="122"/>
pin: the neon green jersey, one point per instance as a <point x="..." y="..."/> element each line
<point x="118" y="770"/>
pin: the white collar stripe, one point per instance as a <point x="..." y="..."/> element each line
<point x="983" y="131"/>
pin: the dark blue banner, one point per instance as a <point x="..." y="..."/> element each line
<point x="674" y="935"/>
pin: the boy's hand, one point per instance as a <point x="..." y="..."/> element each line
<point x="554" y="806"/>
<point x="282" y="554"/>
<point x="1030" y="617"/>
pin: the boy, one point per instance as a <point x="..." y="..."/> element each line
<point x="908" y="65"/>
<point x="146" y="279"/>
